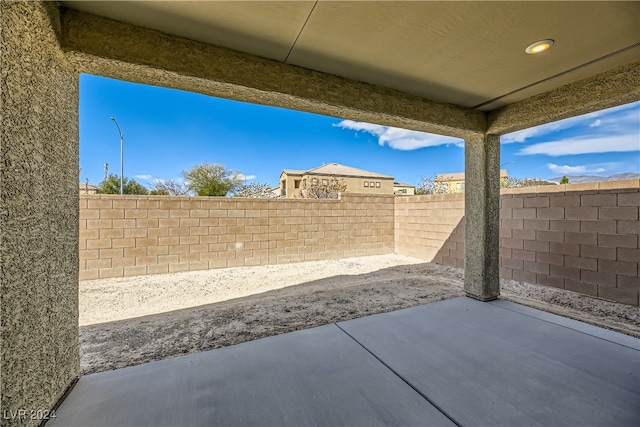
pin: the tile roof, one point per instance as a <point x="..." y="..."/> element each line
<point x="402" y="184"/>
<point x="292" y="171"/>
<point x="342" y="170"/>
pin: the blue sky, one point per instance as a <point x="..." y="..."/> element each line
<point x="167" y="131"/>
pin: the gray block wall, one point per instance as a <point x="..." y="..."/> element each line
<point x="39" y="355"/>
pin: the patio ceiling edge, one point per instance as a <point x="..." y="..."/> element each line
<point x="102" y="46"/>
<point x="609" y="89"/>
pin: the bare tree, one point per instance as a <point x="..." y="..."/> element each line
<point x="512" y="182"/>
<point x="324" y="188"/>
<point x="169" y="187"/>
<point x="256" y="190"/>
<point x="431" y="186"/>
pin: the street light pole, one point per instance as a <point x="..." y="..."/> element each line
<point x="121" y="156"/>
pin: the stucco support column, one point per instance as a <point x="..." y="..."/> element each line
<point x="482" y="221"/>
<point x="39" y="357"/>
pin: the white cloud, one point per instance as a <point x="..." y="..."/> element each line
<point x="520" y="136"/>
<point x="143" y="177"/>
<point x="400" y="139"/>
<point x="572" y="170"/>
<point x="524" y="134"/>
<point x="179" y="180"/>
<point x="371" y="128"/>
<point x="245" y="177"/>
<point x="623" y="120"/>
<point x="584" y="145"/>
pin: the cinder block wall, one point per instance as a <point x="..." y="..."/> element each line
<point x="134" y="235"/>
<point x="431" y="227"/>
<point x="579" y="237"/>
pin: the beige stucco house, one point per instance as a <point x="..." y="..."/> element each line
<point x="454" y="182"/>
<point x="402" y="189"/>
<point x="294" y="182"/>
<point x="88" y="189"/>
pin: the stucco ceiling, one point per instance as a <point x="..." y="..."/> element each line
<point x="465" y="53"/>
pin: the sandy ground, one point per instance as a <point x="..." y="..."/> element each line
<point x="128" y="321"/>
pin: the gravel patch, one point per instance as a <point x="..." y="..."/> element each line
<point x="129" y="321"/>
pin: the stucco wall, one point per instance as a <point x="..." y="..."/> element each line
<point x="115" y="49"/>
<point x="134" y="235"/>
<point x="290" y="190"/>
<point x="354" y="185"/>
<point x="584" y="237"/>
<point x="39" y="355"/>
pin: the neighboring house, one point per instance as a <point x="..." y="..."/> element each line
<point x="293" y="182"/>
<point x="88" y="189"/>
<point x="454" y="182"/>
<point x="275" y="191"/>
<point x="401" y="189"/>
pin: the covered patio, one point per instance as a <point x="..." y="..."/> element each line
<point x="455" y="362"/>
<point x="452" y="68"/>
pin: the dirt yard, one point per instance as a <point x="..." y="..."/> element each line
<point x="128" y="321"/>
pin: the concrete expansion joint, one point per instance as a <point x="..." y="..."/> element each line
<point x="401" y="377"/>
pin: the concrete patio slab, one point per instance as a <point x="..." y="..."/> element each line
<point x="504" y="364"/>
<point x="317" y="377"/>
<point x="458" y="361"/>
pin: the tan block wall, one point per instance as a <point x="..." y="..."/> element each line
<point x="135" y="235"/>
<point x="431" y="227"/>
<point x="579" y="237"/>
<point x="582" y="238"/>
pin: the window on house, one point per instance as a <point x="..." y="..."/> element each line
<point x="372" y="184"/>
<point x="377" y="185"/>
<point x="324" y="182"/>
<point x="296" y="183"/>
<point x="314" y="181"/>
<point x="460" y="186"/>
<point x="366" y="183"/>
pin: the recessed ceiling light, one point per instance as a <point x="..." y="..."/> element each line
<point x="539" y="46"/>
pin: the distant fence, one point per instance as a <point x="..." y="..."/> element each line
<point x="580" y="237"/>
